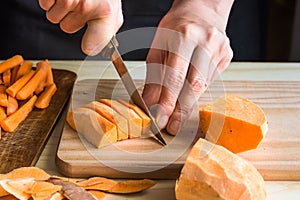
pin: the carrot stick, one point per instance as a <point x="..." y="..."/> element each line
<point x="12" y="105"/>
<point x="11" y="122"/>
<point x="10" y="63"/>
<point x="14" y="72"/>
<point x="49" y="76"/>
<point x="25" y="68"/>
<point x="45" y="98"/>
<point x="49" y="79"/>
<point x="1" y="79"/>
<point x="2" y="113"/>
<point x="19" y="84"/>
<point x="3" y="96"/>
<point x="40" y="87"/>
<point x="6" y="77"/>
<point x="31" y="85"/>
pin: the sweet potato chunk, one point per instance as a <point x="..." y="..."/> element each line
<point x="233" y="122"/>
<point x="134" y="120"/>
<point x="94" y="127"/>
<point x="213" y="172"/>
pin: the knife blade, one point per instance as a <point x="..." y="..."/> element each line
<point x="130" y="86"/>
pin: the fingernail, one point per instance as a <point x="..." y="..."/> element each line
<point x="162" y="121"/>
<point x="174" y="127"/>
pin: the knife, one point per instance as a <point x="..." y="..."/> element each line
<point x="112" y="51"/>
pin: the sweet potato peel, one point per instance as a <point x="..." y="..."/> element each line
<point x="34" y="183"/>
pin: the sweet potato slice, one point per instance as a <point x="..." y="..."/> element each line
<point x="3" y="96"/>
<point x="233" y="122"/>
<point x="145" y="119"/>
<point x="11" y="122"/>
<point x="6" y="77"/>
<point x="14" y="72"/>
<point x="12" y="105"/>
<point x="19" y="84"/>
<point x="25" y="172"/>
<point x="24" y="68"/>
<point x="134" y="120"/>
<point x="2" y="113"/>
<point x="213" y="172"/>
<point x="132" y="186"/>
<point x="18" y="187"/>
<point x="44" y="99"/>
<point x="96" y="194"/>
<point x="94" y="127"/>
<point x="10" y="63"/>
<point x="112" y="116"/>
<point x="97" y="183"/>
<point x="42" y="190"/>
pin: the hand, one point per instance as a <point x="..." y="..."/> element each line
<point x="103" y="17"/>
<point x="189" y="50"/>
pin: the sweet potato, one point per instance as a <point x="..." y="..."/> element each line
<point x="94" y="127"/>
<point x="19" y="84"/>
<point x="3" y="96"/>
<point x="6" y="77"/>
<point x="11" y="122"/>
<point x="113" y="116"/>
<point x="17" y="187"/>
<point x="24" y="68"/>
<point x="213" y="172"/>
<point x="132" y="186"/>
<point x="233" y="122"/>
<point x="2" y="113"/>
<point x="10" y="63"/>
<point x="12" y="105"/>
<point x="13" y="76"/>
<point x="41" y="190"/>
<point x="44" y="99"/>
<point x="97" y="183"/>
<point x="134" y="120"/>
<point x="97" y="194"/>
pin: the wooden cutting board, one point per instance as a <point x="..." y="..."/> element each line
<point x="24" y="146"/>
<point x="277" y="158"/>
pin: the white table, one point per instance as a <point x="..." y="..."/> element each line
<point x="288" y="190"/>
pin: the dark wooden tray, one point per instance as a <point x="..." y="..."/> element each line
<point x="24" y="146"/>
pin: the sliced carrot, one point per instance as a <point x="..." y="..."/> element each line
<point x="113" y="116"/>
<point x="10" y="63"/>
<point x="25" y="68"/>
<point x="14" y="72"/>
<point x="96" y="129"/>
<point x="2" y="113"/>
<point x="145" y="119"/>
<point x="19" y="84"/>
<point x="3" y="96"/>
<point x="233" y="122"/>
<point x="11" y="122"/>
<point x="31" y="85"/>
<point x="12" y="105"/>
<point x="45" y="98"/>
<point x="6" y="77"/>
<point x="134" y="121"/>
<point x="132" y="186"/>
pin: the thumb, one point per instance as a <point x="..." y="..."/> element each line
<point x="96" y="36"/>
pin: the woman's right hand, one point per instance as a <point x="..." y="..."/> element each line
<point x="103" y="19"/>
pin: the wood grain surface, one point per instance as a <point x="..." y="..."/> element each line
<point x="277" y="158"/>
<point x="24" y="146"/>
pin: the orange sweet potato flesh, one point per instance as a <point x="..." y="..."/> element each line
<point x="134" y="120"/>
<point x="24" y="68"/>
<point x="96" y="129"/>
<point x="213" y="172"/>
<point x="113" y="116"/>
<point x="10" y="63"/>
<point x="12" y="105"/>
<point x="233" y="122"/>
<point x="132" y="186"/>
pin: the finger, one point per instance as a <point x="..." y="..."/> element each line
<point x="194" y="86"/>
<point x="60" y="9"/>
<point x="72" y="22"/>
<point x="175" y="74"/>
<point x="46" y="4"/>
<point x="154" y="77"/>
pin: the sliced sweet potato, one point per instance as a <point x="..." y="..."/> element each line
<point x="6" y="77"/>
<point x="96" y="194"/>
<point x="24" y="68"/>
<point x="19" y="84"/>
<point x="94" y="127"/>
<point x="42" y="190"/>
<point x="97" y="183"/>
<point x="112" y="116"/>
<point x="45" y="98"/>
<point x="25" y="172"/>
<point x="146" y="121"/>
<point x="14" y="72"/>
<point x="12" y="105"/>
<point x="134" y="120"/>
<point x="10" y="63"/>
<point x="213" y="172"/>
<point x="3" y="96"/>
<point x="132" y="186"/>
<point x="233" y="122"/>
<point x="18" y="187"/>
<point x="2" y="113"/>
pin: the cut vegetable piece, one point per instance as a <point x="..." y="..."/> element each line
<point x="44" y="99"/>
<point x="132" y="186"/>
<point x="70" y="120"/>
<point x="112" y="116"/>
<point x="10" y="63"/>
<point x="41" y="190"/>
<point x="145" y="119"/>
<point x="25" y="172"/>
<point x="72" y="191"/>
<point x="134" y="121"/>
<point x="94" y="127"/>
<point x="11" y="122"/>
<point x="97" y="194"/>
<point x="6" y="77"/>
<point x="19" y="84"/>
<point x="2" y="113"/>
<point x="233" y="122"/>
<point x="32" y="84"/>
<point x="3" y="96"/>
<point x="12" y="105"/>
<point x="14" y="72"/>
<point x="24" y="68"/>
<point x="8" y="197"/>
<point x="97" y="183"/>
<point x="213" y="172"/>
<point x="18" y="187"/>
